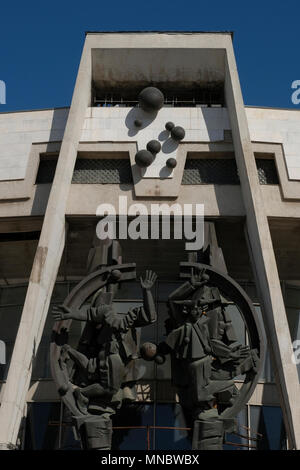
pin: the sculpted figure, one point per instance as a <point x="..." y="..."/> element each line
<point x="94" y="378"/>
<point x="205" y="356"/>
<point x="105" y="359"/>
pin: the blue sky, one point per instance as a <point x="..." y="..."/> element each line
<point x="41" y="43"/>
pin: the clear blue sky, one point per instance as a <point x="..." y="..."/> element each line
<point x="41" y="42"/>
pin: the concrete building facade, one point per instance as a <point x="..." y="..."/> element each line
<point x="56" y="167"/>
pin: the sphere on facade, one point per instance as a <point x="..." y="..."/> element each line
<point x="154" y="146"/>
<point x="178" y="133"/>
<point x="151" y="99"/>
<point x="143" y="158"/>
<point x="171" y="163"/>
<point x="169" y="126"/>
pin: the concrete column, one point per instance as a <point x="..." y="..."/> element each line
<point x="45" y="265"/>
<point x="265" y="267"/>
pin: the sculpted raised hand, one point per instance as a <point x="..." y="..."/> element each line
<point x="149" y="280"/>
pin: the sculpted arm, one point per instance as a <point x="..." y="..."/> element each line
<point x="95" y="314"/>
<point x="147" y="313"/>
<point x="61" y="312"/>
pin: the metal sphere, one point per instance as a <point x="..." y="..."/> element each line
<point x="154" y="146"/>
<point x="138" y="123"/>
<point x="143" y="158"/>
<point x="171" y="163"/>
<point x="178" y="133"/>
<point x="169" y="126"/>
<point x="151" y="99"/>
<point x="159" y="360"/>
<point x="148" y="351"/>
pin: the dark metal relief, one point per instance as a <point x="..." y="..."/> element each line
<point x="102" y="372"/>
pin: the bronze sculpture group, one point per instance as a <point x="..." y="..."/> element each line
<point x="100" y="374"/>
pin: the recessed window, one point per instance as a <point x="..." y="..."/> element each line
<point x="90" y="171"/>
<point x="102" y="171"/>
<point x="210" y="171"/>
<point x="46" y="170"/>
<point x="266" y="170"/>
<point x="219" y="170"/>
<point x="207" y="96"/>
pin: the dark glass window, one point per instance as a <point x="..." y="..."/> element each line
<point x="152" y="426"/>
<point x="266" y="170"/>
<point x="90" y="171"/>
<point x="224" y="171"/>
<point x="234" y="441"/>
<point x="49" y="427"/>
<point x="171" y="416"/>
<point x="42" y="425"/>
<point x="104" y="171"/>
<point x="46" y="171"/>
<point x="210" y="171"/>
<point x="212" y="95"/>
<point x="267" y="422"/>
<point x="11" y="305"/>
<point x="132" y="429"/>
<point x="137" y="426"/>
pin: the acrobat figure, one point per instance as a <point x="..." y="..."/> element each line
<point x="111" y="348"/>
<point x="205" y="356"/>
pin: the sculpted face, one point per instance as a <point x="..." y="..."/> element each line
<point x="196" y="313"/>
<point x="193" y="313"/>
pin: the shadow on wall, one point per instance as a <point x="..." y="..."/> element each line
<point x="58" y="125"/>
<point x="215" y="127"/>
<point x="142" y="117"/>
<point x="137" y="119"/>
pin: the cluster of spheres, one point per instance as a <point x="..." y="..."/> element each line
<point x="151" y="100"/>
<point x="144" y="158"/>
<point x="177" y="132"/>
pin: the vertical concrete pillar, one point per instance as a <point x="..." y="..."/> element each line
<point x="262" y="253"/>
<point x="45" y="265"/>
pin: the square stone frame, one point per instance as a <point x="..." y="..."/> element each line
<point x="290" y="188"/>
<point x="24" y="189"/>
